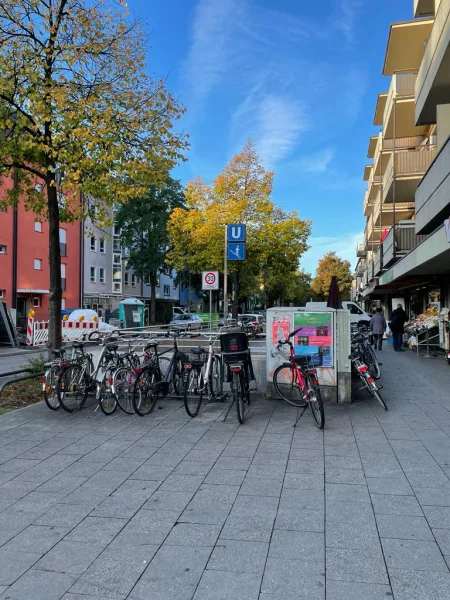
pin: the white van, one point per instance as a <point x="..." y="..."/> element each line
<point x="357" y="315"/>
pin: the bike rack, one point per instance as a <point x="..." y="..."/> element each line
<point x="426" y="343"/>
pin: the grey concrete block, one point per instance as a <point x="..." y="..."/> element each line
<point x="302" y="499"/>
<point x="404" y="527"/>
<point x="14" y="563"/>
<point x="147" y="527"/>
<point x="193" y="534"/>
<point x="337" y="492"/>
<point x="139" y="554"/>
<point x="225" y="477"/>
<point x="437" y="516"/>
<point x="381" y="465"/>
<point x="39" y="585"/>
<point x="240" y="556"/>
<point x="415" y="555"/>
<point x="396" y="505"/>
<point x="192" y="467"/>
<point x="177" y="482"/>
<point x="36" y="539"/>
<point x="18" y="465"/>
<point x="255" y="505"/>
<point x="419" y="585"/>
<point x="226" y="585"/>
<point x="251" y="528"/>
<point x="172" y="501"/>
<point x="315" y="466"/>
<point x="351" y="534"/>
<point x="384" y="485"/>
<point x="304" y="580"/>
<point x="96" y="530"/>
<point x="364" y="565"/>
<point x="265" y="472"/>
<point x="109" y="578"/>
<point x="343" y="462"/>
<point x="303" y="481"/>
<point x="253" y="486"/>
<point x="344" y="590"/>
<point x="289" y="519"/>
<point x="173" y="574"/>
<point x="304" y="545"/>
<point x="61" y="484"/>
<point x="442" y="537"/>
<point x="433" y="496"/>
<point x="69" y="557"/>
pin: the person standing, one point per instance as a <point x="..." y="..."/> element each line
<point x="378" y="327"/>
<point x="397" y="325"/>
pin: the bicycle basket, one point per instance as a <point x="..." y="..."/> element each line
<point x="234" y="347"/>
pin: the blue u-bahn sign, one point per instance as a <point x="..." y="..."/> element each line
<point x="236" y="245"/>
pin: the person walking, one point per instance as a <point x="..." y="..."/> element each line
<point x="378" y="327"/>
<point x="397" y="325"/>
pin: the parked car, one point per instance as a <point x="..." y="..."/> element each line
<point x="253" y="320"/>
<point x="186" y="322"/>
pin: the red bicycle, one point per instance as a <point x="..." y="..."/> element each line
<point x="296" y="382"/>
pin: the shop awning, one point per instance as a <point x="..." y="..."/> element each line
<point x="31" y="291"/>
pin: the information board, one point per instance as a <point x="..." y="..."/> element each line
<point x="315" y="338"/>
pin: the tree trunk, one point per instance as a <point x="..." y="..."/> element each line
<point x="54" y="330"/>
<point x="152" y="298"/>
<point x="235" y="305"/>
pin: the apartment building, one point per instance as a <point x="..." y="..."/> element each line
<point x="24" y="268"/>
<point x="406" y="248"/>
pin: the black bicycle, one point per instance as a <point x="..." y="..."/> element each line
<point x="237" y="359"/>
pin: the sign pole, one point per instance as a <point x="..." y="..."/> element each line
<point x="225" y="282"/>
<point x="210" y="310"/>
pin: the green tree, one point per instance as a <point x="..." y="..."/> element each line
<point x="143" y="222"/>
<point x="330" y="265"/>
<point x="79" y="115"/>
<point x="240" y="194"/>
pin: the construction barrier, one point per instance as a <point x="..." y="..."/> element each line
<point x="70" y="330"/>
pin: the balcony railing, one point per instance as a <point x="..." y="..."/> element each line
<point x="430" y="54"/>
<point x="408" y="163"/>
<point x="405" y="240"/>
<point x="378" y="262"/>
<point x="387" y="145"/>
<point x="361" y="267"/>
<point x="402" y="86"/>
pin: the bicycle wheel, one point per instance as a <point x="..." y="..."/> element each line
<point x="241" y="395"/>
<point x="122" y="385"/>
<point x="105" y="393"/>
<point x="287" y="387"/>
<point x="215" y="377"/>
<point x="73" y="388"/>
<point x="370" y="358"/>
<point x="380" y="399"/>
<point x="193" y="392"/>
<point x="145" y="392"/>
<point x="49" y="384"/>
<point x="315" y="402"/>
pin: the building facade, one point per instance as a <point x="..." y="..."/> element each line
<point x="406" y="250"/>
<point x="24" y="266"/>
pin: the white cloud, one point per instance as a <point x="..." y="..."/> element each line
<point x="344" y="246"/>
<point x="347" y="14"/>
<point x="315" y="163"/>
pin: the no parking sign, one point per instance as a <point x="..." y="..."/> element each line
<point x="210" y="280"/>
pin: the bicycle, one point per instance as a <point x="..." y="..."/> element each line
<point x="368" y="355"/>
<point x="51" y="376"/>
<point x="296" y="382"/>
<point x="365" y="376"/>
<point x="237" y="358"/>
<point x="202" y="377"/>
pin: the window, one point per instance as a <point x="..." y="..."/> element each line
<point x="93" y="274"/>
<point x="93" y="244"/>
<point x="62" y="242"/>
<point x="354" y="310"/>
<point x="36" y="302"/>
<point x="102" y="246"/>
<point x="133" y="280"/>
<point x="38" y="226"/>
<point x="127" y="278"/>
<point x="38" y="264"/>
<point x="1" y="293"/>
<point x="101" y="275"/>
<point x="158" y="281"/>
<point x="63" y="270"/>
<point x="117" y="245"/>
<point x="63" y="303"/>
<point x="2" y="249"/>
<point x="116" y="230"/>
<point x="117" y="287"/>
<point x="38" y="188"/>
<point x="116" y="259"/>
<point x="167" y="290"/>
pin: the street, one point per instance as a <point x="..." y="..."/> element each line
<point x="168" y="507"/>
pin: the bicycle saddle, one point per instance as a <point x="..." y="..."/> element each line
<point x="57" y="352"/>
<point x="300" y="360"/>
<point x="198" y="350"/>
<point x="78" y="345"/>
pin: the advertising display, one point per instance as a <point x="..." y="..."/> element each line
<point x="315" y="338"/>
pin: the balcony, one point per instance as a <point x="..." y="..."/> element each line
<point x="400" y="107"/>
<point x="404" y="241"/>
<point x="423" y="8"/>
<point x="379" y="109"/>
<point x="361" y="267"/>
<point x="383" y="214"/>
<point x="406" y="46"/>
<point x="433" y="194"/>
<point x="367" y="205"/>
<point x="407" y="170"/>
<point x="373" y="186"/>
<point x="378" y="262"/>
<point x="372" y="235"/>
<point x="360" y="251"/>
<point x="372" y="146"/>
<point x="370" y="274"/>
<point x="433" y="81"/>
<point x="385" y="148"/>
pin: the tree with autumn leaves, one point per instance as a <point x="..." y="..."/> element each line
<point x="80" y="116"/>
<point x="330" y="265"/>
<point x="241" y="193"/>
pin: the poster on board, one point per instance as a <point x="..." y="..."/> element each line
<point x="315" y="337"/>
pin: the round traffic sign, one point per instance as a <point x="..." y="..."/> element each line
<point x="210" y="278"/>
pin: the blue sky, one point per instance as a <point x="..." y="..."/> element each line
<point x="300" y="78"/>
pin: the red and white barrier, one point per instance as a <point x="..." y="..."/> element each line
<point x="37" y="331"/>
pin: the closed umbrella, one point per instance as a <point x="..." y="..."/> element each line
<point x="334" y="295"/>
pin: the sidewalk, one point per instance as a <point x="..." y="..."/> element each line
<point x="169" y="508"/>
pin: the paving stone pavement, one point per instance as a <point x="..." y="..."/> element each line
<point x="172" y="508"/>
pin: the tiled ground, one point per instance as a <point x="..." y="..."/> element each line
<point x="168" y="508"/>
